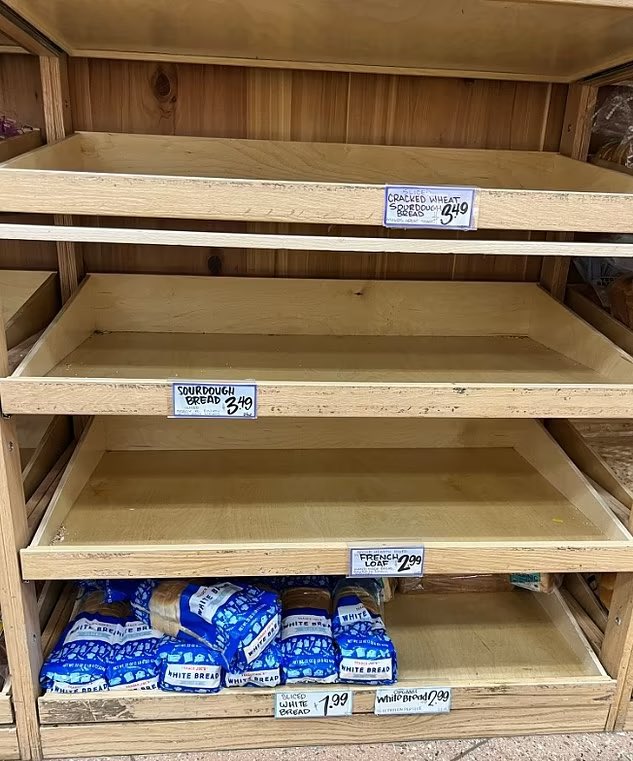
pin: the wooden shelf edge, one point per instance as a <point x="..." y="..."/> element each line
<point x="165" y="561"/>
<point x="67" y="741"/>
<point x="130" y="706"/>
<point x="94" y="396"/>
<point x="85" y="193"/>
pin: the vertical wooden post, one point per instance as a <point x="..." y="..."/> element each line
<point x="18" y="598"/>
<point x="617" y="649"/>
<point x="581" y="102"/>
<point x="58" y="124"/>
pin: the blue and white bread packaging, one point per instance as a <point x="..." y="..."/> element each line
<point x="365" y="650"/>
<point x="307" y="647"/>
<point x="264" y="671"/>
<point x="188" y="667"/>
<point x="80" y="660"/>
<point x="235" y="618"/>
<point x="134" y="660"/>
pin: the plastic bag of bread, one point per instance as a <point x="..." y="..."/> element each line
<point x="537" y="582"/>
<point x="365" y="650"/>
<point x="80" y="660"/>
<point x="307" y="646"/>
<point x="233" y="617"/>
<point x="455" y="583"/>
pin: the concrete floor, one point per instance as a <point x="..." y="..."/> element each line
<point x="594" y="747"/>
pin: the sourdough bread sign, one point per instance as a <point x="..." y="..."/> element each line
<point x="437" y="208"/>
<point x="214" y="399"/>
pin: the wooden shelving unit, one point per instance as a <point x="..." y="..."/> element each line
<point x="144" y="498"/>
<point x="459" y="637"/>
<point x="213" y="201"/>
<point x="322" y="348"/>
<point x="325" y="183"/>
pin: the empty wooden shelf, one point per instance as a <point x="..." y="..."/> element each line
<point x="28" y="300"/>
<point x="150" y="497"/>
<point x="328" y="183"/>
<point x="561" y="41"/>
<point x="333" y="348"/>
<point x="501" y="653"/>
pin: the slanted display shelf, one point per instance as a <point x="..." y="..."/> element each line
<point x="28" y="300"/>
<point x="516" y="662"/>
<point x="327" y="183"/>
<point x="147" y="497"/>
<point x="322" y="348"/>
<point x="557" y="41"/>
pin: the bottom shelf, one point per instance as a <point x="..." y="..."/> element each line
<point x="515" y="661"/>
<point x="205" y="735"/>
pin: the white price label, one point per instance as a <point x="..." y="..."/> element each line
<point x="386" y="561"/>
<point x="394" y="700"/>
<point x="432" y="207"/>
<point x="310" y="705"/>
<point x="214" y="399"/>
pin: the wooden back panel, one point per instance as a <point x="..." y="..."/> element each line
<point x="145" y="97"/>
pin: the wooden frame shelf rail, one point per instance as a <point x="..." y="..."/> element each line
<point x="145" y="497"/>
<point x="328" y="183"/>
<point x="559" y="41"/>
<point x="297" y="242"/>
<point x="358" y="349"/>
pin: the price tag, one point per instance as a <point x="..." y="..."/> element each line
<point x="386" y="561"/>
<point x="311" y="705"/>
<point x="214" y="399"/>
<point x="393" y="700"/>
<point x="431" y="207"/>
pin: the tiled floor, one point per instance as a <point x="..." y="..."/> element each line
<point x="613" y="747"/>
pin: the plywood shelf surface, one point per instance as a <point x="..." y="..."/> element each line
<point x="493" y="649"/>
<point x="327" y="183"/>
<point x="475" y="495"/>
<point x="554" y="41"/>
<point x="322" y="348"/>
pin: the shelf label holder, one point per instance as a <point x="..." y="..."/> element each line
<point x="318" y="704"/>
<point x="431" y="207"/>
<point x="223" y="400"/>
<point x="390" y="701"/>
<point x="386" y="561"/>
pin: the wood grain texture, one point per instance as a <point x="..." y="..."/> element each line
<point x="324" y="183"/>
<point x="567" y="41"/>
<point x="66" y="741"/>
<point x="428" y="349"/>
<point x="601" y="453"/>
<point x="9" y="748"/>
<point x="58" y="124"/>
<point x="291" y="511"/>
<point x="294" y="242"/>
<point x="54" y="440"/>
<point x="18" y="600"/>
<point x="441" y="639"/>
<point x="266" y="104"/>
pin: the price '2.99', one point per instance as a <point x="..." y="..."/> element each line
<point x="408" y="562"/>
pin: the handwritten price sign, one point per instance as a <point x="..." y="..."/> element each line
<point x="442" y="208"/>
<point x="214" y="400"/>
